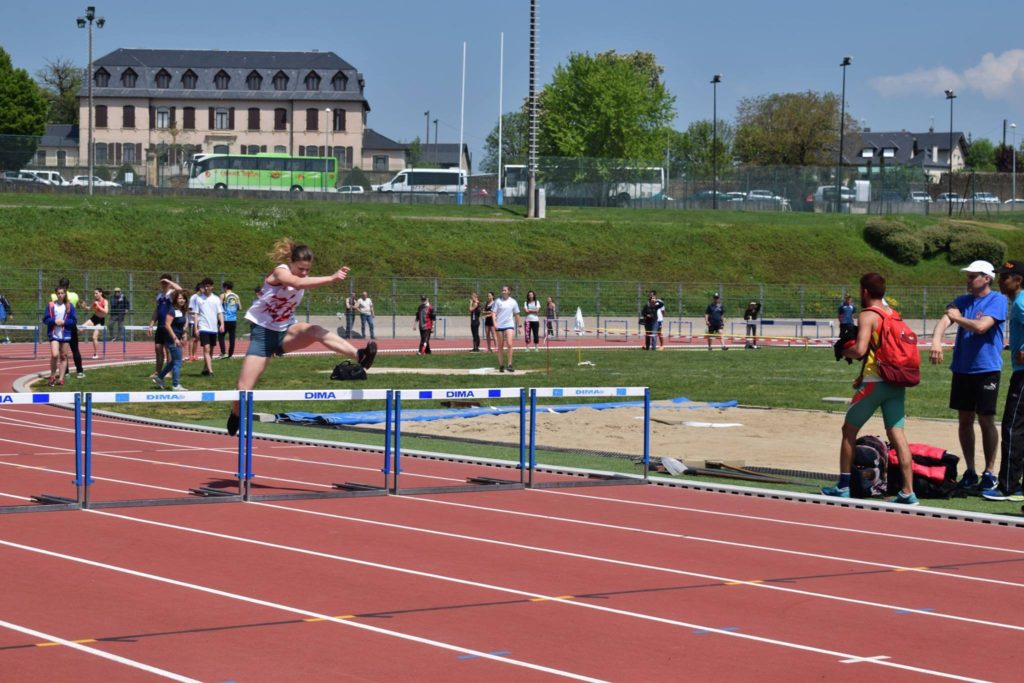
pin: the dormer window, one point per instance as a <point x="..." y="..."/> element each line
<point x="868" y="152"/>
<point x="221" y="80"/>
<point x="128" y="78"/>
<point x="102" y="78"/>
<point x="340" y="82"/>
<point x="888" y="152"/>
<point x="280" y="81"/>
<point x="163" y="79"/>
<point x="189" y="80"/>
<point x="313" y="81"/>
<point x="254" y="81"/>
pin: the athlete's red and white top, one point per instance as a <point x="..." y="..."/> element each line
<point x="275" y="306"/>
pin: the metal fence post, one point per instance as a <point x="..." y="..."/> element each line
<point x="394" y="305"/>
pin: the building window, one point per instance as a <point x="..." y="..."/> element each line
<point x="189" y="80"/>
<point x="129" y="153"/>
<point x="280" y="119"/>
<point x="254" y="118"/>
<point x="41" y="158"/>
<point x="280" y="81"/>
<point x="62" y="158"/>
<point x="340" y="82"/>
<point x="339" y="119"/>
<point x="101" y="116"/>
<point x="339" y="154"/>
<point x="221" y="119"/>
<point x="312" y="117"/>
<point x="220" y="149"/>
<point x="163" y="79"/>
<point x="102" y="78"/>
<point x="189" y="118"/>
<point x="380" y="162"/>
<point x="100" y="155"/>
<point x="221" y="80"/>
<point x="251" y="149"/>
<point x="128" y="78"/>
<point x="254" y="81"/>
<point x="128" y="116"/>
<point x="163" y="117"/>
<point x="313" y="81"/>
<point x="280" y="149"/>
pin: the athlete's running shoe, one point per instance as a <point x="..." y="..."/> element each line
<point x="994" y="494"/>
<point x="969" y="480"/>
<point x="366" y="355"/>
<point x="988" y="482"/>
<point x="836" y="491"/>
<point x="233" y="423"/>
<point x="908" y="499"/>
<point x="159" y="383"/>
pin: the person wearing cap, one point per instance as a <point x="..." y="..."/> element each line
<point x="976" y="366"/>
<point x="750" y="316"/>
<point x="714" y="318"/>
<point x="1011" y="464"/>
<point x="119" y="306"/>
<point x="845" y="315"/>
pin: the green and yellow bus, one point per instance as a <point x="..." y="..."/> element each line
<point x="263" y="172"/>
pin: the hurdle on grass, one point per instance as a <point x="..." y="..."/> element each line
<point x="590" y="392"/>
<point x="52" y="502"/>
<point x="197" y="495"/>
<point x="26" y="328"/>
<point x="338" y="490"/>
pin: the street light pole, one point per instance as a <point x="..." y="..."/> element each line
<point x="1013" y="174"/>
<point x="87" y="21"/>
<point x="327" y="145"/>
<point x="531" y="154"/>
<point x="950" y="95"/>
<point x="715" y="80"/>
<point x="842" y="130"/>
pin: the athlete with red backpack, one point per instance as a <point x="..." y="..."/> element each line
<point x="884" y="342"/>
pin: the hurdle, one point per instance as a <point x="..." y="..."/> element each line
<point x="26" y="328"/>
<point x="590" y="392"/>
<point x="48" y="502"/>
<point x="472" y="483"/>
<point x="94" y="328"/>
<point x="337" y="490"/>
<point x="678" y="325"/>
<point x="556" y="325"/>
<point x="624" y="330"/>
<point x="124" y="335"/>
<point x="196" y="495"/>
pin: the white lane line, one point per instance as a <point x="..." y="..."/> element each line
<point x="97" y="653"/>
<point x="508" y="590"/>
<point x="298" y="610"/>
<point x="809" y="525"/>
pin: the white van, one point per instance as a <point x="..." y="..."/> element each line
<point x="49" y="177"/>
<point x="434" y="180"/>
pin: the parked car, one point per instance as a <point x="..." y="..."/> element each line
<point x="984" y="198"/>
<point x="81" y="180"/>
<point x="50" y="178"/>
<point x="920" y="197"/>
<point x="952" y="197"/>
<point x="351" y="189"/>
<point x="762" y="196"/>
<point x="21" y="177"/>
<point x="1014" y="203"/>
<point x="827" y="193"/>
<point x="709" y="196"/>
<point x="734" y="196"/>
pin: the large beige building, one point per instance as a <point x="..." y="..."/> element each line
<point x="178" y="102"/>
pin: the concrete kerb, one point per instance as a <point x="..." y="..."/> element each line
<point x="22" y="385"/>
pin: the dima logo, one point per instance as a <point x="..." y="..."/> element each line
<point x="164" y="397"/>
<point x="460" y="393"/>
<point x="588" y="392"/>
<point x="319" y="394"/>
<point x="6" y="399"/>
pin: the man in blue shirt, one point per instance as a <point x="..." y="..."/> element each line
<point x="1011" y="466"/>
<point x="845" y="314"/>
<point x="977" y="362"/>
<point x="714" y="318"/>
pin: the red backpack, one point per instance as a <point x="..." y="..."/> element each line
<point x="897" y="357"/>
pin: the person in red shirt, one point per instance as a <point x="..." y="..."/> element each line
<point x="99" y="309"/>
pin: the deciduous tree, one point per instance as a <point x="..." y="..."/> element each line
<point x="792" y="129"/>
<point x="514" y="142"/>
<point x="981" y="155"/>
<point x="60" y="81"/>
<point x="691" y="150"/>
<point x="22" y="115"/>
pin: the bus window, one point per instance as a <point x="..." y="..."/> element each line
<point x="294" y="164"/>
<point x="249" y="163"/>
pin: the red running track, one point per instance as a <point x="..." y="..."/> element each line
<point x="626" y="583"/>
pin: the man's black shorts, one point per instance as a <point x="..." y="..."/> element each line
<point x="977" y="393"/>
<point x="207" y="339"/>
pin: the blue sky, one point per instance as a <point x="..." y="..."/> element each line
<point x="904" y="53"/>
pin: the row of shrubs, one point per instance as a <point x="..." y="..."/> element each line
<point x="908" y="245"/>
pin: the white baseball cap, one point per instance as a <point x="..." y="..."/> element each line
<point x="983" y="267"/>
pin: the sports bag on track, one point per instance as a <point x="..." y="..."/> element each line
<point x="896" y="357"/>
<point x="347" y="370"/>
<point x="870" y="460"/>
<point x="934" y="468"/>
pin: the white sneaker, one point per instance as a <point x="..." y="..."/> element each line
<point x="178" y="387"/>
<point x="94" y="356"/>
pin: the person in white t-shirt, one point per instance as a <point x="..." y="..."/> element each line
<point x="364" y="304"/>
<point x="272" y="316"/>
<point x="506" y="321"/>
<point x="193" y="332"/>
<point x="209" y="322"/>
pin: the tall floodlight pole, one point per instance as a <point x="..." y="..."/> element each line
<point x="427" y="142"/>
<point x="531" y="163"/>
<point x="715" y="80"/>
<point x="434" y="156"/>
<point x="842" y="130"/>
<point x="87" y="21"/>
<point x="499" y="194"/>
<point x="950" y="95"/>
<point x="1013" y="174"/>
<point x="462" y="124"/>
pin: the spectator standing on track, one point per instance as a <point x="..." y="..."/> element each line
<point x="532" y="324"/>
<point x="76" y="354"/>
<point x="174" y="325"/>
<point x="99" y="309"/>
<point x="750" y="316"/>
<point x="873" y="393"/>
<point x="119" y="306"/>
<point x="5" y="315"/>
<point x="1011" y="465"/>
<point x="845" y="314"/>
<point x="156" y="327"/>
<point x="714" y="318"/>
<point x="193" y="330"/>
<point x="231" y="303"/>
<point x="209" y="322"/>
<point x="425" y="318"/>
<point x="661" y="320"/>
<point x="506" y="321"/>
<point x="272" y="318"/>
<point x="649" y="320"/>
<point x="350" y="313"/>
<point x="489" y="322"/>
<point x="60" y="319"/>
<point x="366" y="313"/>
<point x="976" y="366"/>
<point x="551" y="318"/>
<point x="474" y="320"/>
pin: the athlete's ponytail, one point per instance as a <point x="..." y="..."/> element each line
<point x="285" y="250"/>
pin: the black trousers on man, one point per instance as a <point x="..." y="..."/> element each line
<point x="1012" y="444"/>
<point x="75" y="353"/>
